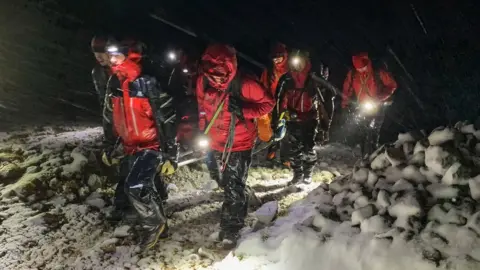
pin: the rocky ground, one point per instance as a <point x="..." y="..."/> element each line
<point x="55" y="194"/>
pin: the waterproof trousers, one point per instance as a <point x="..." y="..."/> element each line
<point x="301" y="138"/>
<point x="233" y="180"/>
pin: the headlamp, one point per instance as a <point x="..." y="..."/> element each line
<point x="185" y="70"/>
<point x="112" y="49"/>
<point x="296" y="61"/>
<point x="203" y="142"/>
<point x="172" y="56"/>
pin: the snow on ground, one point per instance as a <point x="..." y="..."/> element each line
<point x="411" y="205"/>
<point x="55" y="194"/>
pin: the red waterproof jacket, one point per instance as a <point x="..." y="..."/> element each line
<point x="220" y="60"/>
<point x="133" y="117"/>
<point x="298" y="97"/>
<point x="270" y="79"/>
<point x="377" y="85"/>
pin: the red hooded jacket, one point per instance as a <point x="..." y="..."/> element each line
<point x="133" y="118"/>
<point x="364" y="83"/>
<point x="220" y="60"/>
<point x="270" y="81"/>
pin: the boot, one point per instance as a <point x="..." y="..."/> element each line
<point x="307" y="179"/>
<point x="253" y="200"/>
<point x="227" y="241"/>
<point x="297" y="178"/>
<point x="115" y="216"/>
<point x="151" y="235"/>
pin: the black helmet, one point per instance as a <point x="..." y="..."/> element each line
<point x="98" y="44"/>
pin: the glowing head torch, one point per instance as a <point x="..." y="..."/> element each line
<point x="172" y="56"/>
<point x="185" y="70"/>
<point x="203" y="142"/>
<point x="112" y="49"/>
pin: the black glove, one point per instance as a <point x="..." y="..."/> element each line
<point x="235" y="106"/>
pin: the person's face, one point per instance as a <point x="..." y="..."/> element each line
<point x="362" y="70"/>
<point x="102" y="58"/>
<point x="117" y="59"/>
<point x="278" y="60"/>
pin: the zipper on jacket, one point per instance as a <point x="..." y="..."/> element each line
<point x="134" y="119"/>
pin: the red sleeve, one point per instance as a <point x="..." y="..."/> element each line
<point x="257" y="100"/>
<point x="347" y="89"/>
<point x="200" y="92"/>
<point x="263" y="79"/>
<point x="284" y="102"/>
<point x="390" y="85"/>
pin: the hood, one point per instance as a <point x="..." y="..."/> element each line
<point x="361" y="60"/>
<point x="299" y="77"/>
<point x="280" y="50"/>
<point x="219" y="60"/>
<point x="130" y="69"/>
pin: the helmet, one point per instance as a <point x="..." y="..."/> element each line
<point x="98" y="44"/>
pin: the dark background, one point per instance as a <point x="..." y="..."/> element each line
<point x="436" y="42"/>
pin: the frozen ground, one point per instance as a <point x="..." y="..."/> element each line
<point x="55" y="193"/>
<point x="411" y="205"/>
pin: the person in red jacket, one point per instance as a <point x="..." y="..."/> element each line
<point x="366" y="83"/>
<point x="270" y="78"/>
<point x="369" y="85"/>
<point x="139" y="119"/>
<point x="239" y="100"/>
<point x="304" y="100"/>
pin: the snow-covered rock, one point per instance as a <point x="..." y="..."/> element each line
<point x="439" y="137"/>
<point x="441" y="191"/>
<point x="361" y="214"/>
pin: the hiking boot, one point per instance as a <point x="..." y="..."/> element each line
<point x="227" y="241"/>
<point x="115" y="216"/>
<point x="152" y="234"/>
<point x="297" y="178"/>
<point x="307" y="178"/>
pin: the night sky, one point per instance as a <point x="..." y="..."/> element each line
<point x="437" y="42"/>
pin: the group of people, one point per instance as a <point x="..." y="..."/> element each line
<point x="153" y="111"/>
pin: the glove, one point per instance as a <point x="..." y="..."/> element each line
<point x="107" y="157"/>
<point x="235" y="106"/>
<point x="324" y="71"/>
<point x="168" y="167"/>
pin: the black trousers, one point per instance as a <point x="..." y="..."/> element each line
<point x="233" y="180"/>
<point x="301" y="138"/>
<point x="136" y="169"/>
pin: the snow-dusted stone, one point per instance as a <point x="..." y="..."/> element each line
<point x="77" y="165"/>
<point x="383" y="200"/>
<point x="380" y="162"/>
<point x="405" y="206"/>
<point x="266" y="176"/>
<point x="10" y="171"/>
<point x="256" y="175"/>
<point x="456" y="175"/>
<point x="122" y="231"/>
<point x="438" y="137"/>
<point x="361" y="202"/>
<point x="474" y="185"/>
<point x="372" y="179"/>
<point x="393" y="174"/>
<point x="267" y="212"/>
<point x="96" y="202"/>
<point x="438" y="160"/>
<point x="383" y="184"/>
<point x="345" y="212"/>
<point x="430" y="175"/>
<point x="402" y="185"/>
<point x="437" y="213"/>
<point x="32" y="169"/>
<point x="29" y="184"/>
<point x="171" y="187"/>
<point x="468" y="129"/>
<point x="408" y="149"/>
<point x="477" y="134"/>
<point x="340" y="198"/>
<point x="210" y="185"/>
<point x="94" y="181"/>
<point x="375" y="224"/>
<point x="326" y="225"/>
<point x="396" y="156"/>
<point x="404" y="138"/>
<point x="418" y="159"/>
<point x="412" y="173"/>
<point x="474" y="222"/>
<point x="420" y="146"/>
<point x="361" y="214"/>
<point x="352" y="196"/>
<point x="338" y="186"/>
<point x="441" y="191"/>
<point x="354" y="187"/>
<point x="360" y="175"/>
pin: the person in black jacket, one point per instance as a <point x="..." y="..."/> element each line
<point x="101" y="74"/>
